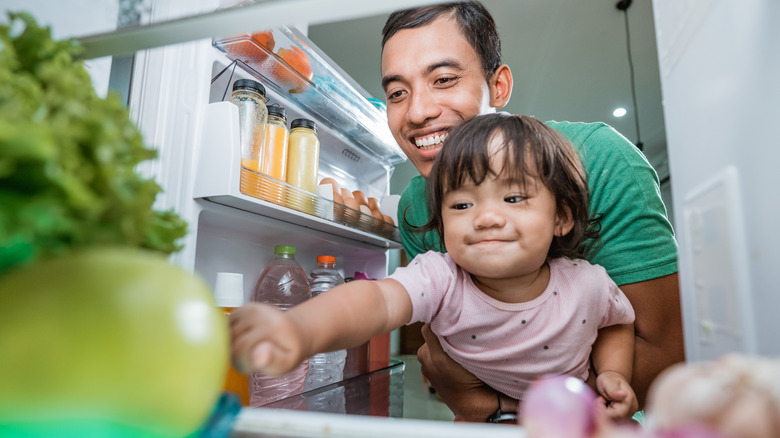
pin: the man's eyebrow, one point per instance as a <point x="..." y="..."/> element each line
<point x="388" y="79"/>
<point x="448" y="62"/>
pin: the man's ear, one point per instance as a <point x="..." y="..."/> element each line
<point x="564" y="222"/>
<point x="500" y="86"/>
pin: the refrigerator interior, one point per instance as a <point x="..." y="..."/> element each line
<point x="177" y="96"/>
<point x="236" y="233"/>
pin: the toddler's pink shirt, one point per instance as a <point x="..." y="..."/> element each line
<point x="508" y="345"/>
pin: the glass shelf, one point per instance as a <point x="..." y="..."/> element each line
<point x="221" y="179"/>
<point x="277" y="192"/>
<point x="293" y="67"/>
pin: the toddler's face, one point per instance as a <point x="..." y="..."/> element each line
<point x="501" y="229"/>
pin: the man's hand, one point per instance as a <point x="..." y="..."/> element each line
<point x="464" y="394"/>
<point x="658" y="325"/>
<point x="616" y="395"/>
<point x="264" y="339"/>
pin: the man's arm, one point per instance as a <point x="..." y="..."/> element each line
<point x="658" y="329"/>
<point x="467" y="397"/>
<point x="657" y="345"/>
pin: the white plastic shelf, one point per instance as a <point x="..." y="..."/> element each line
<point x="218" y="179"/>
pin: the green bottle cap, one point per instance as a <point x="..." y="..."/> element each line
<point x="284" y="249"/>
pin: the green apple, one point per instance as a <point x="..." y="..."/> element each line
<point x="109" y="339"/>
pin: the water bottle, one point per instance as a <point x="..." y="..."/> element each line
<point x="282" y="284"/>
<point x="325" y="368"/>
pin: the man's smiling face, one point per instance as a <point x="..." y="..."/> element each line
<point x="433" y="80"/>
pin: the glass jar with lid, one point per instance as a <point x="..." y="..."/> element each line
<point x="303" y="159"/>
<point x="273" y="155"/>
<point x="249" y="96"/>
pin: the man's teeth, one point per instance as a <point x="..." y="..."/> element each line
<point x="430" y="142"/>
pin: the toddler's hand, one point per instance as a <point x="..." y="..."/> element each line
<point x="616" y="395"/>
<point x="264" y="339"/>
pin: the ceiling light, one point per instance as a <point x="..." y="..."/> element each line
<point x="619" y="112"/>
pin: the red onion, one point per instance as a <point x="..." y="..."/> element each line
<point x="558" y="407"/>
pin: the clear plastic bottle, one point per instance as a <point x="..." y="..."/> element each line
<point x="282" y="284"/>
<point x="325" y="368"/>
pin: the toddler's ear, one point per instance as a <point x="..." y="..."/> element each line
<point x="564" y="222"/>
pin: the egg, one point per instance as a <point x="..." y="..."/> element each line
<point x="360" y="197"/>
<point x="352" y="203"/>
<point x="352" y="212"/>
<point x="373" y="206"/>
<point x="346" y="194"/>
<point x="334" y="184"/>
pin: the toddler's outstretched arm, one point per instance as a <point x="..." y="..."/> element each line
<point x="274" y="342"/>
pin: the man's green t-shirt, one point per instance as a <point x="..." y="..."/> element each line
<point x="637" y="241"/>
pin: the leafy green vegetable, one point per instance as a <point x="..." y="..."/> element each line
<point x="68" y="157"/>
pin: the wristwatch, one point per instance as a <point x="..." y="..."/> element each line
<point x="500" y="416"/>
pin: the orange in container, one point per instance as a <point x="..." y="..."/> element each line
<point x="299" y="73"/>
<point x="250" y="52"/>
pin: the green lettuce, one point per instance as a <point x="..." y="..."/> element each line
<point x="68" y="157"/>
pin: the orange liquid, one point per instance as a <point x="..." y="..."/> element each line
<point x="250" y="182"/>
<point x="236" y="382"/>
<point x="273" y="162"/>
<point x="273" y="159"/>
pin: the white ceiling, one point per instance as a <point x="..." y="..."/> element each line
<point x="568" y="58"/>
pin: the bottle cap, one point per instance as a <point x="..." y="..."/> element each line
<point x="249" y="84"/>
<point x="284" y="249"/>
<point x="326" y="259"/>
<point x="304" y="123"/>
<point x="229" y="290"/>
<point x="277" y="110"/>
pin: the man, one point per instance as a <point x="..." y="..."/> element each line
<point x="442" y="65"/>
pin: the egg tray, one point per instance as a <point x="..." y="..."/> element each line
<point x="266" y="188"/>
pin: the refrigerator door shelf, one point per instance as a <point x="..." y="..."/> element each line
<point x="307" y="77"/>
<point x="221" y="179"/>
<point x="274" y="423"/>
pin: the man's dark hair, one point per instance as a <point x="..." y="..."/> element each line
<point x="474" y="20"/>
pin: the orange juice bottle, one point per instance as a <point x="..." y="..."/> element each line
<point x="273" y="155"/>
<point x="229" y="295"/>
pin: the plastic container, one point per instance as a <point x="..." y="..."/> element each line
<point x="303" y="160"/>
<point x="282" y="284"/>
<point x="325" y="368"/>
<point x="273" y="155"/>
<point x="229" y="295"/>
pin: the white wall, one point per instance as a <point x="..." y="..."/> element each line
<point x="720" y="80"/>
